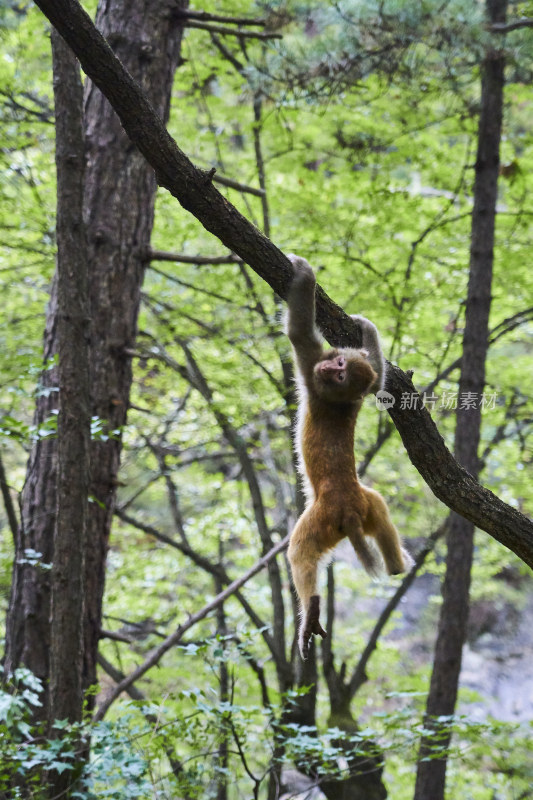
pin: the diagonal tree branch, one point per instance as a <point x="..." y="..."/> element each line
<point x="194" y="190"/>
<point x="171" y="641"/>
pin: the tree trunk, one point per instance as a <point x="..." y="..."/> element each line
<point x="119" y="206"/>
<point x="431" y="774"/>
<point x="74" y="420"/>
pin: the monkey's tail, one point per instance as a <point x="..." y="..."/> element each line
<point x="408" y="560"/>
<point x="369" y="555"/>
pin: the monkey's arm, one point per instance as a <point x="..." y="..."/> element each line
<point x="372" y="344"/>
<point x="301" y="328"/>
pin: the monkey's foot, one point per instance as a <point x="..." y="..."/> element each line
<point x="405" y="566"/>
<point x="310" y="626"/>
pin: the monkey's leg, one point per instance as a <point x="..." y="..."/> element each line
<point x="379" y="525"/>
<point x="305" y="551"/>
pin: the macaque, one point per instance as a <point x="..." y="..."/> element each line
<point x="331" y="386"/>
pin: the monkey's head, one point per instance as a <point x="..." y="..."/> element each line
<point x="343" y="376"/>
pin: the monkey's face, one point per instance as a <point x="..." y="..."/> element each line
<point x="343" y="376"/>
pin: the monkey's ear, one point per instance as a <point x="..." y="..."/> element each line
<point x="364" y="351"/>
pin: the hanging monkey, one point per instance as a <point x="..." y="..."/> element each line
<point x="331" y="388"/>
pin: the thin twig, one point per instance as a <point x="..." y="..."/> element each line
<point x="116" y="637"/>
<point x="506" y="27"/>
<point x="241" y="187"/>
<point x="228" y="55"/>
<point x="223" y="30"/>
<point x="205" y="16"/>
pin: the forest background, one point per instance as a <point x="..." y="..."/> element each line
<point x="352" y="134"/>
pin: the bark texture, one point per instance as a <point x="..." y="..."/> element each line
<point x="192" y="187"/>
<point x="118" y="211"/>
<point x="431" y="773"/>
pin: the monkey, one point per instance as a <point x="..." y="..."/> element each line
<point x="331" y="387"/>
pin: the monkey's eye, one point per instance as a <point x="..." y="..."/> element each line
<point x="341" y="361"/>
<point x="341" y="376"/>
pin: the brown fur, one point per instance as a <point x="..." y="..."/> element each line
<point x="332" y="385"/>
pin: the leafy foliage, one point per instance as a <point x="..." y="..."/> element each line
<point x="130" y="757"/>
